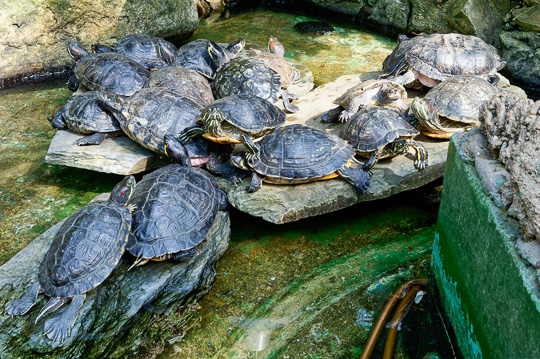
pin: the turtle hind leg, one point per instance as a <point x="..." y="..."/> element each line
<point x="355" y="176"/>
<point x="53" y="304"/>
<point x="27" y="301"/>
<point x="59" y="328"/>
<point x="189" y="132"/>
<point x="94" y="139"/>
<point x="421" y="159"/>
<point x="332" y="115"/>
<point x="286" y="97"/>
<point x="185" y="255"/>
<point x="256" y="183"/>
<point x="373" y="160"/>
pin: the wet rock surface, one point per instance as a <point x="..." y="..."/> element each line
<point x="118" y="315"/>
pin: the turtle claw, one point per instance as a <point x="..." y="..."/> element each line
<point x="345" y="116"/>
<point x="55" y="330"/>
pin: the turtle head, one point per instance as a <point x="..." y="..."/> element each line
<point x="235" y="47"/>
<point x="111" y="101"/>
<point x="423" y="111"/>
<point x="389" y="93"/>
<point x="76" y="50"/>
<point x="122" y="191"/>
<point x="239" y="160"/>
<point x="400" y="146"/>
<point x="217" y="54"/>
<point x="275" y="47"/>
<point x="58" y="120"/>
<point x="166" y="53"/>
<point x="176" y="151"/>
<point x="212" y="120"/>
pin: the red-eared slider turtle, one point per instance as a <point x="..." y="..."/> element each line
<point x="175" y="207"/>
<point x="186" y="82"/>
<point x="151" y="113"/>
<point x="250" y="76"/>
<point x="438" y="57"/>
<point x="378" y="132"/>
<point x="83" y="253"/>
<point x="85" y="114"/>
<point x="314" y="27"/>
<point x="300" y="154"/>
<point x="205" y="56"/>
<point x="275" y="60"/>
<point x="367" y="93"/>
<point x="452" y="106"/>
<point x="152" y="52"/>
<point x="236" y="119"/>
<point x="104" y="72"/>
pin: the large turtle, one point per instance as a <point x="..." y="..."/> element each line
<point x="378" y="132"/>
<point x="83" y="253"/>
<point x="84" y="113"/>
<point x="250" y="76"/>
<point x="300" y="154"/>
<point x="438" y="57"/>
<point x="236" y="119"/>
<point x="275" y="60"/>
<point x="175" y="208"/>
<point x="152" y="52"/>
<point x="205" y="56"/>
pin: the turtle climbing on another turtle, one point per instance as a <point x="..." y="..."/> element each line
<point x="299" y="154"/>
<point x="86" y="249"/>
<point x="378" y="132"/>
<point x="275" y="60"/>
<point x="452" y="106"/>
<point x="84" y="113"/>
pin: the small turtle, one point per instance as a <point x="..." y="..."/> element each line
<point x="152" y="52"/>
<point x="176" y="206"/>
<point x="83" y="253"/>
<point x="250" y="76"/>
<point x="236" y="119"/>
<point x="205" y="56"/>
<point x="378" y="132"/>
<point x="275" y="60"/>
<point x="151" y="113"/>
<point x="104" y="72"/>
<point x="452" y="106"/>
<point x="84" y="113"/>
<point x="184" y="81"/>
<point x="300" y="154"/>
<point x="438" y="57"/>
<point x="314" y="28"/>
<point x="370" y="92"/>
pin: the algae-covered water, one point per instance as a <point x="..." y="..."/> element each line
<point x="309" y="289"/>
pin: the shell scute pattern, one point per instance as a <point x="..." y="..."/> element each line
<point x="82" y="114"/>
<point x="143" y="49"/>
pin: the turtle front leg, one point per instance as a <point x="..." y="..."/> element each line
<point x="256" y="183"/>
<point x="185" y="255"/>
<point x="356" y="176"/>
<point x="27" y="301"/>
<point x="190" y="132"/>
<point x="226" y="170"/>
<point x="421" y="159"/>
<point x="287" y="98"/>
<point x="59" y="328"/>
<point x="94" y="139"/>
<point x="354" y="106"/>
<point x="372" y="160"/>
<point x="252" y="148"/>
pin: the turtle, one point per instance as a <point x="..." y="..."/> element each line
<point x="236" y="119"/>
<point x="84" y="113"/>
<point x="378" y="132"/>
<point x="176" y="206"/>
<point x="151" y="113"/>
<point x="452" y="106"/>
<point x="205" y="56"/>
<point x="184" y="81"/>
<point x="438" y="57"/>
<point x="366" y="93"/>
<point x="102" y="72"/>
<point x="297" y="154"/>
<point x="250" y="76"/>
<point x="83" y="253"/>
<point x="396" y="58"/>
<point x="314" y="27"/>
<point x="152" y="52"/>
<point x="275" y="60"/>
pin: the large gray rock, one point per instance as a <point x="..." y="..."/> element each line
<point x="118" y="315"/>
<point x="521" y="51"/>
<point x="33" y="33"/>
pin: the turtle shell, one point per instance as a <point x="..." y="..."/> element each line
<point x="249" y="113"/>
<point x="298" y="153"/>
<point x="175" y="208"/>
<point x="152" y="113"/>
<point x="460" y="98"/>
<point x="441" y="56"/>
<point x="111" y="71"/>
<point x="194" y="55"/>
<point x="83" y="114"/>
<point x="395" y="59"/>
<point x="85" y="250"/>
<point x="184" y="81"/>
<point x="287" y="72"/>
<point x="247" y="75"/>
<point x="374" y="127"/>
<point x="144" y="50"/>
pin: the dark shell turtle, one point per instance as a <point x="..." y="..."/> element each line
<point x="104" y="72"/>
<point x="175" y="207"/>
<point x="250" y="76"/>
<point x="151" y="113"/>
<point x="205" y="56"/>
<point x="83" y="253"/>
<point x="300" y="154"/>
<point x="452" y="106"/>
<point x="438" y="57"/>
<point x="275" y="60"/>
<point x="314" y="27"/>
<point x="84" y="113"/>
<point x="378" y="132"/>
<point x="152" y="52"/>
<point x="184" y="81"/>
<point x="237" y="119"/>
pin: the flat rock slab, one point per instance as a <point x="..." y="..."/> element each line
<point x="119" y="313"/>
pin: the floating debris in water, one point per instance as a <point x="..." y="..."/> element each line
<point x="314" y="27"/>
